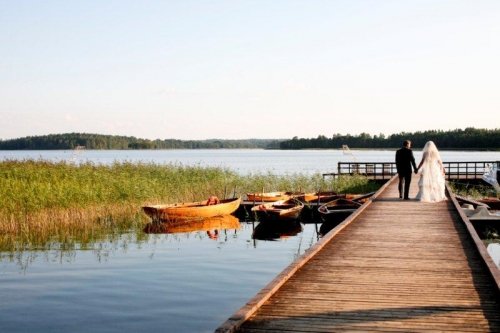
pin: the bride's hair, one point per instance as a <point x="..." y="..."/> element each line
<point x="431" y="150"/>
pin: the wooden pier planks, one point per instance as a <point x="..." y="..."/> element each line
<point x="399" y="266"/>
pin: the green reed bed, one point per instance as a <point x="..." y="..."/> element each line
<point x="44" y="202"/>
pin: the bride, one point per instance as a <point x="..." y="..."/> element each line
<point x="431" y="183"/>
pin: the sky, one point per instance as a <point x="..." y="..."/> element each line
<point x="240" y="69"/>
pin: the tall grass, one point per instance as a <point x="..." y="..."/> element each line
<point x="473" y="191"/>
<point x="42" y="201"/>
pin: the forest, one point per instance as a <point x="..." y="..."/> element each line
<point x="99" y="141"/>
<point x="469" y="138"/>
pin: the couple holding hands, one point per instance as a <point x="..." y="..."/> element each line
<point x="431" y="186"/>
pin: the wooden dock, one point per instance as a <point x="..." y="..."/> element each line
<point x="392" y="266"/>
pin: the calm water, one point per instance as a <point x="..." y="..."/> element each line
<point x="243" y="161"/>
<point x="183" y="282"/>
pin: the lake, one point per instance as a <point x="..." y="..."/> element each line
<point x="182" y="282"/>
<point x="185" y="282"/>
<point x="243" y="161"/>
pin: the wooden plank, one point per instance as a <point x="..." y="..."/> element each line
<point x="392" y="266"/>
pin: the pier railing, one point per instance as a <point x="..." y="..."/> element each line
<point x="385" y="170"/>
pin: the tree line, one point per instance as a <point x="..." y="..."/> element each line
<point x="99" y="141"/>
<point x="469" y="138"/>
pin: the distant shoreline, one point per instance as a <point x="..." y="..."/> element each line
<point x="334" y="149"/>
<point x="469" y="139"/>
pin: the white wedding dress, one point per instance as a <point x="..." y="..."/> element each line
<point x="432" y="183"/>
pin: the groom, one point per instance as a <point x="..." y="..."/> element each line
<point x="404" y="162"/>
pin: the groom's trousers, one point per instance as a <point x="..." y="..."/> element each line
<point x="406" y="180"/>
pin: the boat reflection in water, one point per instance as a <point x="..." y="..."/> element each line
<point x="273" y="231"/>
<point x="327" y="226"/>
<point x="212" y="226"/>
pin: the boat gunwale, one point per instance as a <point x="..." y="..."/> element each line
<point x="268" y="196"/>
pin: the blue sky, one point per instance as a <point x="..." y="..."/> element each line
<point x="247" y="69"/>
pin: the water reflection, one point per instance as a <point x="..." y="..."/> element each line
<point x="173" y="277"/>
<point x="61" y="252"/>
<point x="211" y="226"/>
<point x="104" y="244"/>
<point x="273" y="230"/>
<point x="327" y="226"/>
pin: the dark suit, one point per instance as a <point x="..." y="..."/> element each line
<point x="404" y="162"/>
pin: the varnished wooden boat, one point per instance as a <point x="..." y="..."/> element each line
<point x="191" y="210"/>
<point x="492" y="202"/>
<point x="182" y="226"/>
<point x="324" y="197"/>
<point x="480" y="213"/>
<point x="360" y="198"/>
<point x="319" y="197"/>
<point x="268" y="196"/>
<point x="280" y="210"/>
<point x="338" y="209"/>
<point x="467" y="201"/>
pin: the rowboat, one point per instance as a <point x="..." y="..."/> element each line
<point x="338" y="209"/>
<point x="280" y="210"/>
<point x="470" y="202"/>
<point x="324" y="197"/>
<point x="268" y="196"/>
<point x="191" y="210"/>
<point x="319" y="197"/>
<point x="209" y="225"/>
<point x="492" y="202"/>
<point x="480" y="213"/>
<point x="486" y="222"/>
<point x="359" y="198"/>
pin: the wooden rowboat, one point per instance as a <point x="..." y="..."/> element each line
<point x="324" y="197"/>
<point x="209" y="224"/>
<point x="319" y="197"/>
<point x="338" y="210"/>
<point x="191" y="210"/>
<point x="280" y="210"/>
<point x="359" y="198"/>
<point x="268" y="196"/>
<point x="492" y="202"/>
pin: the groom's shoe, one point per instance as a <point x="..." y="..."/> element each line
<point x="406" y="198"/>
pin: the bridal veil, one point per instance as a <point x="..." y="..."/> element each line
<point x="432" y="183"/>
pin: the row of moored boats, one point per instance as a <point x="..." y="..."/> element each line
<point x="271" y="206"/>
